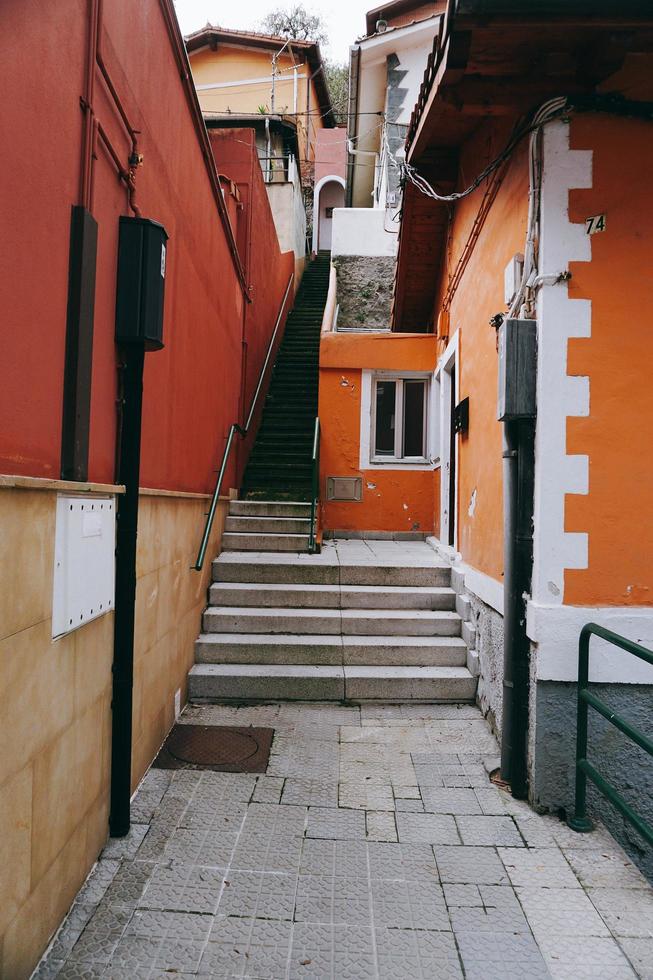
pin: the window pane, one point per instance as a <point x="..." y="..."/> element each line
<point x="384" y="437"/>
<point x="414" y="418"/>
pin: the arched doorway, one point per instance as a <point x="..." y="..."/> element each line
<point x="329" y="193"/>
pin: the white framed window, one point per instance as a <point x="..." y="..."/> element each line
<point x="400" y="419"/>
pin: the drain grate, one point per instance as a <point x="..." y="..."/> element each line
<point x="220" y="748"/>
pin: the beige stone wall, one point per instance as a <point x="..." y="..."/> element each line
<point x="55" y="697"/>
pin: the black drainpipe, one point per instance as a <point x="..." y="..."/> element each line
<point x="519" y="474"/>
<point x="123" y="637"/>
<point x="139" y="327"/>
<point x="517" y="410"/>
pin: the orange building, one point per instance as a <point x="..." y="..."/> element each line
<point x="524" y="244"/>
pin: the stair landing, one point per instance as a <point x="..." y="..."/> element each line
<point x="362" y="620"/>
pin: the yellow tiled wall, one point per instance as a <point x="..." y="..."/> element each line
<point x="55" y="697"/>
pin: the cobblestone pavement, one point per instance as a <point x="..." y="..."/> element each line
<point x="375" y="846"/>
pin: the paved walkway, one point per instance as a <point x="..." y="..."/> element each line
<point x="375" y="846"/>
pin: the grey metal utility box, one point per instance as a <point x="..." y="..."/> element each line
<point x="517" y="370"/>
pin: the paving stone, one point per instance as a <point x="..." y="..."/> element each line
<point x="627" y="911"/>
<point x="205" y="814"/>
<point x="125" y="847"/>
<point x="489" y="831"/>
<point x="420" y="955"/>
<point x="335" y="824"/>
<point x="409" y="806"/>
<point x="501" y="956"/>
<point x="74" y="970"/>
<point x="405" y="862"/>
<point x="184" y="888"/>
<point x="409" y="905"/>
<point x="470" y="865"/>
<point x="429" y="828"/>
<point x="101" y="935"/>
<point x="366" y="796"/>
<point x="207" y="848"/>
<point x="640" y="954"/>
<point x="268" y="818"/>
<point x="324" y="899"/>
<point x="580" y="958"/>
<point x="491" y="801"/>
<point x="331" y="951"/>
<point x="538" y="867"/>
<point x="268" y="789"/>
<point x="155" y="924"/>
<point x="381" y="826"/>
<point x="501" y="913"/>
<point x="70" y="931"/>
<point x="247" y="947"/>
<point x="535" y="831"/>
<point x="341" y="858"/>
<point x="48" y="968"/>
<point x="310" y="792"/>
<point x="463" y="896"/>
<point x="129" y="884"/>
<point x="264" y="852"/>
<point x="596" y="869"/>
<point x="263" y="896"/>
<point x="560" y="911"/>
<point x="445" y="800"/>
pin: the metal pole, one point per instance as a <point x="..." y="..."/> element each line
<point x="126" y="538"/>
<point x="580" y="821"/>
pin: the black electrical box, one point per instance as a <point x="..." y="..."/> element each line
<point x="141" y="282"/>
<point x="517" y="370"/>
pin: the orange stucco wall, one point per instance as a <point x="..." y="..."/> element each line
<point x="617" y="358"/>
<point x="479" y="296"/>
<point x="393" y="500"/>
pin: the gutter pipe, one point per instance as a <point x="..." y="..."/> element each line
<point x="519" y="485"/>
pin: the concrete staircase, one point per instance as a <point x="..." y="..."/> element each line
<point x="283" y="624"/>
<point x="280" y="463"/>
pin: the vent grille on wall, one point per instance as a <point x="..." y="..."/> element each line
<point x="344" y="488"/>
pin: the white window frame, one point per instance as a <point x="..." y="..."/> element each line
<point x="368" y="422"/>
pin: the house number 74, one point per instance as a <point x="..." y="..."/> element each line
<point x="595" y="224"/>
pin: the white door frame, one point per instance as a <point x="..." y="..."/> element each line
<point x="317" y="190"/>
<point x="448" y="368"/>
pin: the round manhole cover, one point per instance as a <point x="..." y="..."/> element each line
<point x="210" y="746"/>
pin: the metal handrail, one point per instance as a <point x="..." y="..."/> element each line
<point x="584" y="769"/>
<point x="241" y="430"/>
<point x="315" y="492"/>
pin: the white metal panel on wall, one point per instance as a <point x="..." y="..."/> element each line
<point x="84" y="561"/>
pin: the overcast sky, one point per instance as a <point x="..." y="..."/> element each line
<point x="345" y="19"/>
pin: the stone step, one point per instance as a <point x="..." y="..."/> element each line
<point x="330" y="596"/>
<point x="251" y="508"/>
<point x="317" y="648"/>
<point x="268" y="525"/>
<point x="349" y="622"/>
<point x="264" y="542"/>
<point x="305" y="569"/>
<point x="272" y="682"/>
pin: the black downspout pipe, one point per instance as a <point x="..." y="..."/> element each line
<point x="125" y="604"/>
<point x="519" y="483"/>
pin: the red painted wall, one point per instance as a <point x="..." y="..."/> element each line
<point x="192" y="389"/>
<point x="331" y="153"/>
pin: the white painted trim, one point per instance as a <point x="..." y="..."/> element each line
<point x="489" y="590"/>
<point x="366" y="422"/>
<point x="395" y="35"/>
<point x="448" y="362"/>
<point x="559" y="396"/>
<point x="264" y="79"/>
<point x="555" y="629"/>
<point x="317" y="190"/>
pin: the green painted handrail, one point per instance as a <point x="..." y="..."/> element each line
<point x="315" y="492"/>
<point x="242" y="431"/>
<point x="584" y="769"/>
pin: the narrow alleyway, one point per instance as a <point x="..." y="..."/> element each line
<point x="374" y="846"/>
